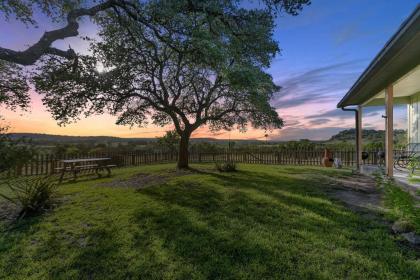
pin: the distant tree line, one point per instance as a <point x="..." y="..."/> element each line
<point x="371" y="138"/>
<point x="22" y="149"/>
<point x="13" y="152"/>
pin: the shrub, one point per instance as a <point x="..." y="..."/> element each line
<point x="13" y="153"/>
<point x="402" y="226"/>
<point x="32" y="196"/>
<point x="412" y="165"/>
<point x="226" y="166"/>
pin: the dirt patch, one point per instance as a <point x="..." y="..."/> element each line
<point x="144" y="180"/>
<point x="357" y="192"/>
<point x="8" y="211"/>
<point x="138" y="181"/>
<point x="357" y="200"/>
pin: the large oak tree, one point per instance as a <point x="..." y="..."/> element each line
<point x="13" y="81"/>
<point x="189" y="63"/>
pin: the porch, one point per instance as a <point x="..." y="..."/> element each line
<point x="393" y="77"/>
<point x="401" y="176"/>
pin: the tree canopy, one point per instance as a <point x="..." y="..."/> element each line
<point x="69" y="12"/>
<point x="187" y="63"/>
<point x="166" y="65"/>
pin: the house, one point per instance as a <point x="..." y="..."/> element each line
<point x="393" y="77"/>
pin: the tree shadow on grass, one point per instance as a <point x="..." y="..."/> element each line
<point x="203" y="250"/>
<point x="224" y="226"/>
<point x="99" y="255"/>
<point x="205" y="200"/>
<point x="305" y="230"/>
<point x="13" y="237"/>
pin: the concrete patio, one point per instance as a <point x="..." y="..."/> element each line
<point x="401" y="176"/>
<point x="412" y="184"/>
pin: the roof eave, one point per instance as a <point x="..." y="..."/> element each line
<point x="409" y="31"/>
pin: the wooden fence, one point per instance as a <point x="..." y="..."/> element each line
<point x="47" y="164"/>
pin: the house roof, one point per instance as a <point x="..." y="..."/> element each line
<point x="399" y="56"/>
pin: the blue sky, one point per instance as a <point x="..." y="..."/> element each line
<point x="324" y="50"/>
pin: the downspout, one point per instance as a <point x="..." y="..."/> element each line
<point x="356" y="117"/>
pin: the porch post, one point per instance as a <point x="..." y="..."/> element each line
<point x="359" y="135"/>
<point x="389" y="131"/>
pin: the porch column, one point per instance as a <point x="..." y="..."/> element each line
<point x="389" y="131"/>
<point x="359" y="135"/>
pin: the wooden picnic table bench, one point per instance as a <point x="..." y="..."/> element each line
<point x="75" y="166"/>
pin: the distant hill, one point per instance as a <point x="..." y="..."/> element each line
<point x="39" y="138"/>
<point x="348" y="135"/>
<point x="369" y="135"/>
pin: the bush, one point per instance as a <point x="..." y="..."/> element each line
<point x="13" y="153"/>
<point x="401" y="206"/>
<point x="413" y="164"/>
<point x="227" y="166"/>
<point x="32" y="196"/>
<point x="402" y="226"/>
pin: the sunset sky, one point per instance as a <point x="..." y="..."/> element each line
<point x="324" y="50"/>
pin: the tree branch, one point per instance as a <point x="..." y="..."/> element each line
<point x="43" y="46"/>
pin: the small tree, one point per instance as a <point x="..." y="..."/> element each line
<point x="203" y="67"/>
<point x="169" y="141"/>
<point x="13" y="153"/>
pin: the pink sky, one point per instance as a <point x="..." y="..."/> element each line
<point x="297" y="119"/>
<point x="324" y="50"/>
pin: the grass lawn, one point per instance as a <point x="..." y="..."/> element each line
<point x="259" y="223"/>
<point x="402" y="205"/>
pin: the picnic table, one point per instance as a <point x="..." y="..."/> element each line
<point x="76" y="166"/>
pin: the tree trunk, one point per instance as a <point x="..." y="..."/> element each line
<point x="183" y="151"/>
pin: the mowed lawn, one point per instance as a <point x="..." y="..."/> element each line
<point x="262" y="222"/>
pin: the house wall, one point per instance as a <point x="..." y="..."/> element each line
<point x="413" y="111"/>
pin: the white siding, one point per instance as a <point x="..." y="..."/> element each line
<point x="414" y="119"/>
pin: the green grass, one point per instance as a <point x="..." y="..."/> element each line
<point x="414" y="180"/>
<point x="261" y="222"/>
<point x="401" y="205"/>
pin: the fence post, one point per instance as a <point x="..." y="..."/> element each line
<point x="46" y="164"/>
<point x="133" y="159"/>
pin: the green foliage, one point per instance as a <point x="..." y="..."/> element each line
<point x="224" y="16"/>
<point x="212" y="75"/>
<point x="401" y="205"/>
<point x="413" y="164"/>
<point x="206" y="147"/>
<point x="32" y="195"/>
<point x="23" y="10"/>
<point x="72" y="150"/>
<point x="82" y="147"/>
<point x="404" y="226"/>
<point x="373" y="139"/>
<point x="301" y="144"/>
<point x="376" y="145"/>
<point x="169" y="141"/>
<point x="99" y="148"/>
<point x="13" y="86"/>
<point x="13" y="153"/>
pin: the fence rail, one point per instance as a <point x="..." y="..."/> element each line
<point x="47" y="164"/>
